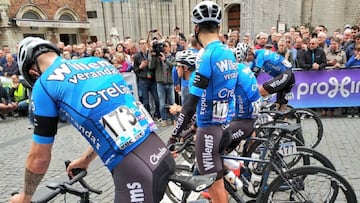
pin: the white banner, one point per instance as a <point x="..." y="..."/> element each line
<point x="130" y="79"/>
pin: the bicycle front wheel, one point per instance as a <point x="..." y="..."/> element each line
<point x="312" y="128"/>
<point x="309" y="184"/>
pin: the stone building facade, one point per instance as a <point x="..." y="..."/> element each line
<point x="134" y="18"/>
<point x="54" y="20"/>
<point x="80" y="20"/>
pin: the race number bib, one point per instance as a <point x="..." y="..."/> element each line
<point x="123" y="126"/>
<point x="256" y="105"/>
<point x="220" y="111"/>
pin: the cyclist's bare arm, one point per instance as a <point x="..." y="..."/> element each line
<point x="82" y="162"/>
<point x="37" y="163"/>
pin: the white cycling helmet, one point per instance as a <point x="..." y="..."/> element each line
<point x="186" y="57"/>
<point x="206" y="11"/>
<point x="29" y="49"/>
<point x="241" y="51"/>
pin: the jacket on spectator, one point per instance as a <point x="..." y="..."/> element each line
<point x="144" y="73"/>
<point x="338" y="55"/>
<point x="309" y="57"/>
<point x="353" y="63"/>
<point x="11" y="69"/>
<point x="18" y="94"/>
<point x="350" y="50"/>
<point x="163" y="70"/>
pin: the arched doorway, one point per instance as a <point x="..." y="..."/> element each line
<point x="234" y="17"/>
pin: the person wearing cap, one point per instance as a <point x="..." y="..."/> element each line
<point x="347" y="26"/>
<point x="97" y="101"/>
<point x="268" y="46"/>
<point x="211" y="96"/>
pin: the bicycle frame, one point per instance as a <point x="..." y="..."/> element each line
<point x="269" y="165"/>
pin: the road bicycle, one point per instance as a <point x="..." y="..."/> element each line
<point x="311" y="125"/>
<point x="299" y="184"/>
<point x="186" y="183"/>
<point x="312" y="129"/>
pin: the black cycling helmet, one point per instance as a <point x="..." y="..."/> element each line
<point x="241" y="51"/>
<point x="187" y="57"/>
<point x="29" y="49"/>
<point x="206" y="11"/>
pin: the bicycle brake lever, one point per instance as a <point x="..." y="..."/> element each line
<point x="75" y="171"/>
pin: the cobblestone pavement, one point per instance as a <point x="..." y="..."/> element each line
<point x="341" y="143"/>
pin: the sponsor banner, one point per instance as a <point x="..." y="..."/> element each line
<point x="323" y="88"/>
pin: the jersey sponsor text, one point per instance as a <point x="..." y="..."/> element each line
<point x="136" y="192"/>
<point x="155" y="158"/>
<point x="207" y="155"/>
<point x="59" y="74"/>
<point x="93" y="99"/>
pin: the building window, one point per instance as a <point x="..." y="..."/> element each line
<point x="30" y="15"/>
<point x="34" y="35"/>
<point x="91" y="14"/>
<point x="68" y="39"/>
<point x="66" y="17"/>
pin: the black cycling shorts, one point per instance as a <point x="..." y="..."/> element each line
<point x="281" y="85"/>
<point x="142" y="176"/>
<point x="208" y="150"/>
<point x="241" y="129"/>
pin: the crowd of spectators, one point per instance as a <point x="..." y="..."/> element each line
<point x="152" y="59"/>
<point x="314" y="49"/>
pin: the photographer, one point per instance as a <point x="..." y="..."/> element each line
<point x="146" y="78"/>
<point x="163" y="62"/>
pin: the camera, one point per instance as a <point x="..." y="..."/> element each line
<point x="158" y="47"/>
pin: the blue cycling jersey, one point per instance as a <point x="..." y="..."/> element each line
<point x="271" y="62"/>
<point x="96" y="100"/>
<point x="247" y="93"/>
<point x="218" y="64"/>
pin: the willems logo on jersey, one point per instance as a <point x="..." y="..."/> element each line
<point x="82" y="71"/>
<point x="136" y="192"/>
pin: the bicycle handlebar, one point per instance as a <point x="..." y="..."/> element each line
<point x="182" y="145"/>
<point x="66" y="187"/>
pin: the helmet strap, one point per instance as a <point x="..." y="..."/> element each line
<point x="197" y="31"/>
<point x="37" y="66"/>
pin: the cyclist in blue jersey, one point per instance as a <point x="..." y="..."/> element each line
<point x="280" y="69"/>
<point x="211" y="95"/>
<point x="248" y="100"/>
<point x="185" y="68"/>
<point x="96" y="100"/>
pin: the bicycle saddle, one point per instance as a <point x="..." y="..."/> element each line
<point x="284" y="127"/>
<point x="194" y="183"/>
<point x="276" y="114"/>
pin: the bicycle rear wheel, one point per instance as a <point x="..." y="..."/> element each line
<point x="174" y="191"/>
<point x="309" y="184"/>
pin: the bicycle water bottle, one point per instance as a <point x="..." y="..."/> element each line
<point x="253" y="164"/>
<point x="255" y="181"/>
<point x="233" y="164"/>
<point x="234" y="181"/>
